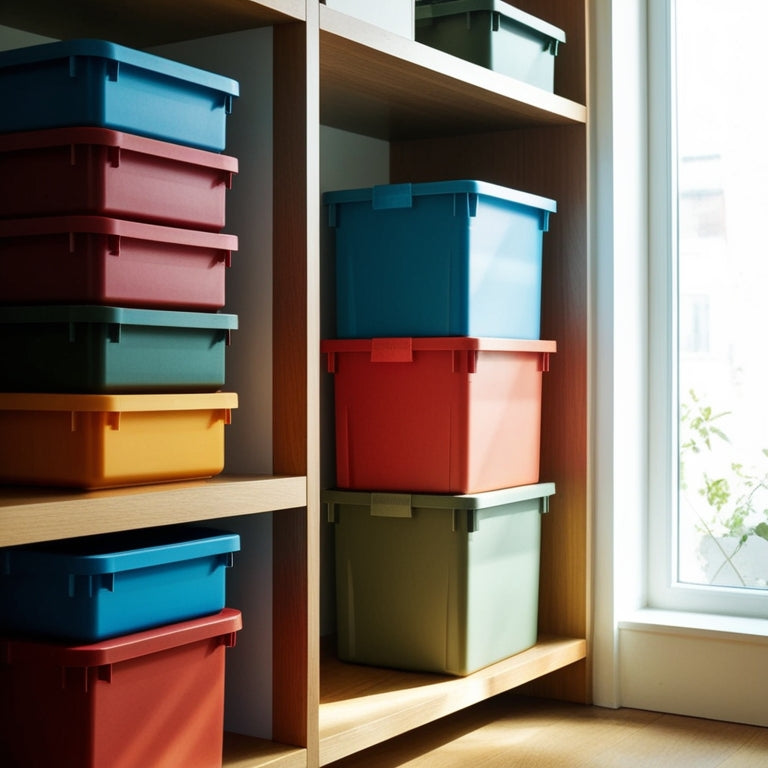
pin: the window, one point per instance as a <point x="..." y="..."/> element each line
<point x="709" y="284"/>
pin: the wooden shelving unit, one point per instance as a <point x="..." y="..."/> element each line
<point x="443" y="118"/>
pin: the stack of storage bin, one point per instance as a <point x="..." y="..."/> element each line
<point x="438" y="370"/>
<point x="112" y="266"/>
<point x="112" y="650"/>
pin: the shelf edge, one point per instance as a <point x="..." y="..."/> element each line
<point x="27" y="517"/>
<point x="447" y="69"/>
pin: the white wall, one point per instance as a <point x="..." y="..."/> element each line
<point x="619" y="322"/>
<point x="15" y="38"/>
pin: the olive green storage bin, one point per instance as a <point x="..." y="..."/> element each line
<point x="494" y="35"/>
<point x="434" y="583"/>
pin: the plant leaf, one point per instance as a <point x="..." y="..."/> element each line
<point x="761" y="530"/>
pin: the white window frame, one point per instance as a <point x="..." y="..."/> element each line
<point x="694" y="664"/>
<point x="664" y="591"/>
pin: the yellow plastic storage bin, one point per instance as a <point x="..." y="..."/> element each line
<point x="102" y="441"/>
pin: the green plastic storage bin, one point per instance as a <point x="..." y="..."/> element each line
<point x="492" y="34"/>
<point x="435" y="583"/>
<point x="100" y="350"/>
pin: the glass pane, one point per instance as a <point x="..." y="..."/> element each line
<point x="722" y="194"/>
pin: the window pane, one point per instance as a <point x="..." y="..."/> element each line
<point x="722" y="197"/>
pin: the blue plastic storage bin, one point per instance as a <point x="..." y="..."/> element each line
<point x="95" y="82"/>
<point x="95" y="587"/>
<point x="449" y="258"/>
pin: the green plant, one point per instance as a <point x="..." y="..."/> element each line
<point x="735" y="495"/>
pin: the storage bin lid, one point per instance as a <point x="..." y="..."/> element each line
<point x="437" y="8"/>
<point x="400" y="348"/>
<point x="38" y="401"/>
<point x="117" y="649"/>
<point x="106" y="137"/>
<point x="401" y="195"/>
<point x="103" y="225"/>
<point x="105" y="50"/>
<point x="116" y="552"/>
<point x="471" y="501"/>
<point x="93" y="313"/>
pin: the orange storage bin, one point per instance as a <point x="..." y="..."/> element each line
<point x="437" y="415"/>
<point x="100" y="441"/>
<point x="153" y="699"/>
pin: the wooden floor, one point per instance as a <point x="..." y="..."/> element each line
<point x="511" y="732"/>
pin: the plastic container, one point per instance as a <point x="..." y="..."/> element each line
<point x="492" y="34"/>
<point x="394" y="15"/>
<point x="154" y="698"/>
<point x="445" y="584"/>
<point x="98" y="171"/>
<point x="101" y="441"/>
<point x="449" y="258"/>
<point x="99" y="260"/>
<point x="95" y="349"/>
<point x="96" y="587"/>
<point x="98" y="83"/>
<point x="437" y="415"/>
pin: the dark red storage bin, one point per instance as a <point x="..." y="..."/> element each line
<point x="450" y="415"/>
<point x="153" y="699"/>
<point x="99" y="171"/>
<point x="100" y="260"/>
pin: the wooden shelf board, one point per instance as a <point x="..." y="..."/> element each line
<point x="384" y="85"/>
<point x="142" y="23"/>
<point x="30" y="514"/>
<point x="247" y="752"/>
<point x="361" y="706"/>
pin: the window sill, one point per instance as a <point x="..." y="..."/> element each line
<point x="680" y="623"/>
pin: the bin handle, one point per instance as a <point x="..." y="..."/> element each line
<point x="386" y="196"/>
<point x="392" y="350"/>
<point x="391" y="505"/>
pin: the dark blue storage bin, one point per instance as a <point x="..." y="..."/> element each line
<point x="449" y="258"/>
<point x="94" y="82"/>
<point x="91" y="588"/>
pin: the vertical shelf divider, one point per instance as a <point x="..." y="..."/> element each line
<point x="295" y="684"/>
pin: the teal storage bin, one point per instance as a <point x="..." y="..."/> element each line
<point x="447" y="258"/>
<point x="99" y="350"/>
<point x="91" y="588"/>
<point x="95" y="82"/>
<point x="492" y="34"/>
<point x="434" y="583"/>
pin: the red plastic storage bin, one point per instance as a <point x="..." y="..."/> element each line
<point x="437" y="415"/>
<point x="99" y="260"/>
<point x="154" y="698"/>
<point x="86" y="170"/>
